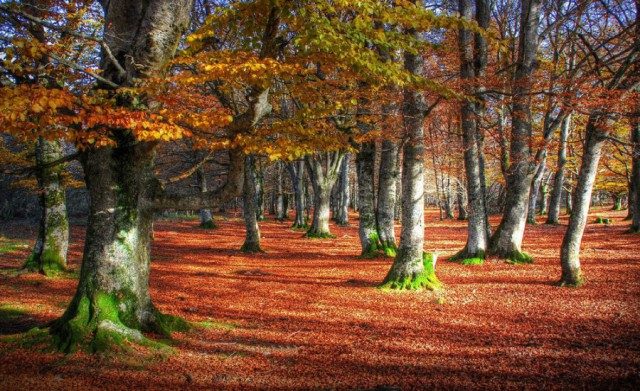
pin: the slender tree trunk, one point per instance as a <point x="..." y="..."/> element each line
<point x="397" y="212"/>
<point x="617" y="201"/>
<point x="250" y="206"/>
<point x="259" y="185"/>
<point x="322" y="180"/>
<point x="462" y="209"/>
<point x="570" y="253"/>
<point x="206" y="218"/>
<point x="544" y="196"/>
<point x="49" y="255"/>
<point x="296" y="172"/>
<point x="477" y="239"/>
<point x="112" y="301"/>
<point x="367" y="230"/>
<point x="634" y="188"/>
<point x="280" y="212"/>
<point x="558" y="179"/>
<point x="506" y="242"/>
<point x="387" y="196"/>
<point x="534" y="193"/>
<point x="448" y="199"/>
<point x="342" y="215"/>
<point x="412" y="268"/>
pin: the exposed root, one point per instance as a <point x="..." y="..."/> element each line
<point x="251" y="248"/>
<point x="463" y="257"/>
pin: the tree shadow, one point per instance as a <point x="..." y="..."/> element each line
<point x="14" y="320"/>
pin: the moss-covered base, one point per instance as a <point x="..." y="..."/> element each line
<point x="603" y="220"/>
<point x="572" y="281"/>
<point x="312" y="234"/>
<point x="48" y="263"/>
<point x="463" y="257"/>
<point x="389" y="249"/>
<point x="100" y="324"/>
<point x="518" y="258"/>
<point x="426" y="279"/>
<point x="300" y="227"/>
<point x="210" y="224"/>
<point x="251" y="248"/>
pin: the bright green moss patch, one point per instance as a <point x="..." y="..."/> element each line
<point x="319" y="235"/>
<point x="519" y="257"/>
<point x="463" y="257"/>
<point x="603" y="220"/>
<point x="389" y="248"/>
<point x="426" y="279"/>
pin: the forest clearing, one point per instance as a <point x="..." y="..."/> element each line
<point x="307" y="315"/>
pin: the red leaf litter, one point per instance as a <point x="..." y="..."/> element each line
<point x="306" y="315"/>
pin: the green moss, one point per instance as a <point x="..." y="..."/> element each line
<point x="389" y="248"/>
<point x="31" y="264"/>
<point x="209" y="224"/>
<point x="603" y="220"/>
<point x="463" y="257"/>
<point x="519" y="257"/>
<point x="167" y="324"/>
<point x="318" y="235"/>
<point x="8" y="246"/>
<point x="251" y="248"/>
<point x="215" y="325"/>
<point x="573" y="282"/>
<point x="52" y="264"/>
<point x="426" y="279"/>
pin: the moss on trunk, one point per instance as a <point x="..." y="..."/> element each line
<point x="463" y="257"/>
<point x="425" y="279"/>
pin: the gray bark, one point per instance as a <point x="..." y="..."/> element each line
<point x="250" y="206"/>
<point x="534" y="192"/>
<point x="296" y="172"/>
<point x="634" y="188"/>
<point x="367" y="231"/>
<point x="506" y="242"/>
<point x="342" y="191"/>
<point x="323" y="171"/>
<point x="279" y="195"/>
<point x="206" y="218"/>
<point x="49" y="255"/>
<point x="558" y="179"/>
<point x="570" y="252"/>
<point x="388" y="177"/>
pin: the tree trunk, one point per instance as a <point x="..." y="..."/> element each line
<point x="506" y="242"/>
<point x="634" y="188"/>
<point x="206" y="218"/>
<point x="322" y="181"/>
<point x="280" y="212"/>
<point x="544" y="196"/>
<point x="296" y="172"/>
<point x="49" y="255"/>
<point x="387" y="196"/>
<point x="367" y="231"/>
<point x="534" y="193"/>
<point x="112" y="302"/>
<point x="250" y="206"/>
<point x="570" y="252"/>
<point x="259" y="184"/>
<point x="397" y="212"/>
<point x="477" y="239"/>
<point x="462" y="208"/>
<point x="342" y="207"/>
<point x="412" y="268"/>
<point x="558" y="179"/>
<point x="617" y="201"/>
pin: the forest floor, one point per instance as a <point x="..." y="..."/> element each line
<point x="306" y="315"/>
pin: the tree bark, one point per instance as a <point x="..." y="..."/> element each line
<point x="387" y="196"/>
<point x="506" y="242"/>
<point x="570" y="252"/>
<point x="412" y="269"/>
<point x="634" y="188"/>
<point x="49" y="255"/>
<point x="279" y="199"/>
<point x="259" y="185"/>
<point x="558" y="179"/>
<point x="534" y="192"/>
<point x="112" y="301"/>
<point x="342" y="207"/>
<point x="477" y="239"/>
<point x="206" y="217"/>
<point x="367" y="230"/>
<point x="250" y="206"/>
<point x="323" y="171"/>
<point x="296" y="172"/>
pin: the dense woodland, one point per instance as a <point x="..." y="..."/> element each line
<point x="498" y="114"/>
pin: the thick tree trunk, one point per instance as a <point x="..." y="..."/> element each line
<point x="506" y="242"/>
<point x="342" y="208"/>
<point x="323" y="171"/>
<point x="412" y="269"/>
<point x="477" y="239"/>
<point x="112" y="301"/>
<point x="558" y="179"/>
<point x="367" y="230"/>
<point x="570" y="252"/>
<point x="49" y="255"/>
<point x="387" y="196"/>
<point x="206" y="217"/>
<point x="296" y="172"/>
<point x="250" y="206"/>
<point x="534" y="192"/>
